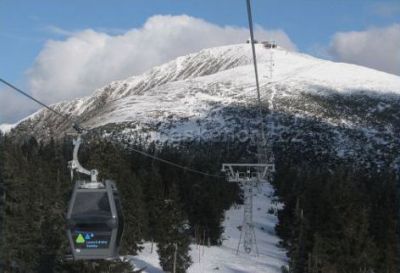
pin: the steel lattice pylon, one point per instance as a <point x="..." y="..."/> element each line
<point x="253" y="174"/>
<point x="248" y="226"/>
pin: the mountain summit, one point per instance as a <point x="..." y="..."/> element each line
<point x="213" y="91"/>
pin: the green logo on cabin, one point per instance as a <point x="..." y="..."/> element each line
<point x="80" y="239"/>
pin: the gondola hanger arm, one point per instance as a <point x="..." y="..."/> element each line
<point x="76" y="166"/>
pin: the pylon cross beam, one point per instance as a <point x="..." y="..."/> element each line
<point x="242" y="172"/>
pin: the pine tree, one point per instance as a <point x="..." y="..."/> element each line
<point x="154" y="200"/>
<point x="297" y="251"/>
<point x="21" y="239"/>
<point x="54" y="184"/>
<point x="173" y="244"/>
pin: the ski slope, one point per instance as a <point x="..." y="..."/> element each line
<point x="223" y="259"/>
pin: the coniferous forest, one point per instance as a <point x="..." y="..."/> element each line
<point x="335" y="220"/>
<point x="161" y="203"/>
<point x="340" y="220"/>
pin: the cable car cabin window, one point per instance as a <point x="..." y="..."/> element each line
<point x="91" y="206"/>
<point x="92" y="213"/>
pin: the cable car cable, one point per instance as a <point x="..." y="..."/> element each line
<point x="32" y="98"/>
<point x="253" y="50"/>
<point x="80" y="129"/>
<point x="175" y="164"/>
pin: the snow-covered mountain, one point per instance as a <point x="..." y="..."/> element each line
<point x="5" y="128"/>
<point x="348" y="110"/>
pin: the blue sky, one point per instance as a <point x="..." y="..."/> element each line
<point x="26" y="27"/>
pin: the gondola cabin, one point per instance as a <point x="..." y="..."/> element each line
<point x="94" y="221"/>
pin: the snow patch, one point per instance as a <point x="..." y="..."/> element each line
<point x="6" y="128"/>
<point x="223" y="259"/>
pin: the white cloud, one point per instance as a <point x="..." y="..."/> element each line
<point x="377" y="48"/>
<point x="89" y="59"/>
<point x="57" y="30"/>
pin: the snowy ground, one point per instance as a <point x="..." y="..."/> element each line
<point x="223" y="259"/>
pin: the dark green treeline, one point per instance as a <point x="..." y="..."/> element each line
<point x="335" y="218"/>
<point x="161" y="203"/>
<point x="339" y="220"/>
